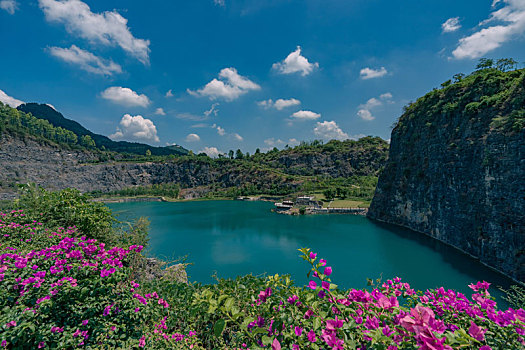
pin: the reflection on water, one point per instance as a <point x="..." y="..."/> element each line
<point x="235" y="238"/>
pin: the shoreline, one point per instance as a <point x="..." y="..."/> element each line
<point x="263" y="198"/>
<point x="153" y="199"/>
<point x="518" y="282"/>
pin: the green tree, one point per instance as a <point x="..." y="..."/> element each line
<point x="329" y="194"/>
<point x="485" y="63"/>
<point x="88" y="142"/>
<point x="148" y="153"/>
<point x="239" y="154"/>
<point x="458" y="77"/>
<point x="506" y="64"/>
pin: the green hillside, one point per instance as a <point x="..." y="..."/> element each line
<point x="55" y="118"/>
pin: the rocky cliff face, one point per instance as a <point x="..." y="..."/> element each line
<point x="456" y="169"/>
<point x="25" y="160"/>
<point x="334" y="164"/>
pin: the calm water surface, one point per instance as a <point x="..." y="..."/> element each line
<point x="236" y="238"/>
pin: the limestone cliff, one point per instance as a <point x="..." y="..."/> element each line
<point x="456" y="169"/>
<point x="24" y="158"/>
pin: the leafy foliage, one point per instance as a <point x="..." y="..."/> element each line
<point x="496" y="90"/>
<point x="164" y="189"/>
<point x="19" y="122"/>
<point x="68" y="208"/>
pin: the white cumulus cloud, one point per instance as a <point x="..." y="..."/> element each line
<point x="220" y="130"/>
<point x="160" y="111"/>
<point x="305" y="115"/>
<point x="272" y="142"/>
<point x="169" y="93"/>
<point x="212" y="111"/>
<point x="107" y="28"/>
<point x="330" y="131"/>
<point x="294" y="63"/>
<point x="385" y="96"/>
<point x="279" y="104"/>
<point x="9" y="5"/>
<point x="238" y="137"/>
<point x="212" y="152"/>
<point x="365" y="114"/>
<point x="364" y="110"/>
<point x="136" y="128"/>
<point x="8" y="100"/>
<point x="192" y="138"/>
<point x="230" y="87"/>
<point x="369" y="73"/>
<point x="86" y="60"/>
<point x="451" y="25"/>
<point x="125" y="97"/>
<point x="508" y="23"/>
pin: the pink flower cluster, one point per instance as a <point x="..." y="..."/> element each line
<point x="425" y="324"/>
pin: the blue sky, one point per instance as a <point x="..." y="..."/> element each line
<point x="215" y="75"/>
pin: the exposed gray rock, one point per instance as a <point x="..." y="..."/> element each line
<point x="459" y="179"/>
<point x="26" y="160"/>
<point x="152" y="268"/>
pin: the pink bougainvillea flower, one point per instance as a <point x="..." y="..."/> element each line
<point x="322" y="262"/>
<point x="312" y="285"/>
<point x="328" y="271"/>
<point x="476" y="332"/>
<point x="313" y="255"/>
<point x="298" y="331"/>
<point x="263" y="295"/>
<point x="325" y="285"/>
<point x="480" y="285"/>
<point x="293" y="299"/>
<point x="334" y="324"/>
<point x="311" y="336"/>
<point x="276" y="345"/>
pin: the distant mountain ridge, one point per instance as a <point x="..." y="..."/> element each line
<point x="56" y="118"/>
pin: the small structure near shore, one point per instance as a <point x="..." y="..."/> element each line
<point x="284" y="205"/>
<point x="305" y="205"/>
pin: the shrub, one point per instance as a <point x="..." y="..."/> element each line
<point x="62" y="291"/>
<point x="68" y="208"/>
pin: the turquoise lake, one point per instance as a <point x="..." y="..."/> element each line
<point x="235" y="238"/>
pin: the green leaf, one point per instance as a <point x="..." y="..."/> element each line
<point x="229" y="303"/>
<point x="317" y="323"/>
<point x="266" y="340"/>
<point x="218" y="328"/>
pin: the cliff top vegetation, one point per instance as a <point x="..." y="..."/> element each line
<point x="494" y="92"/>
